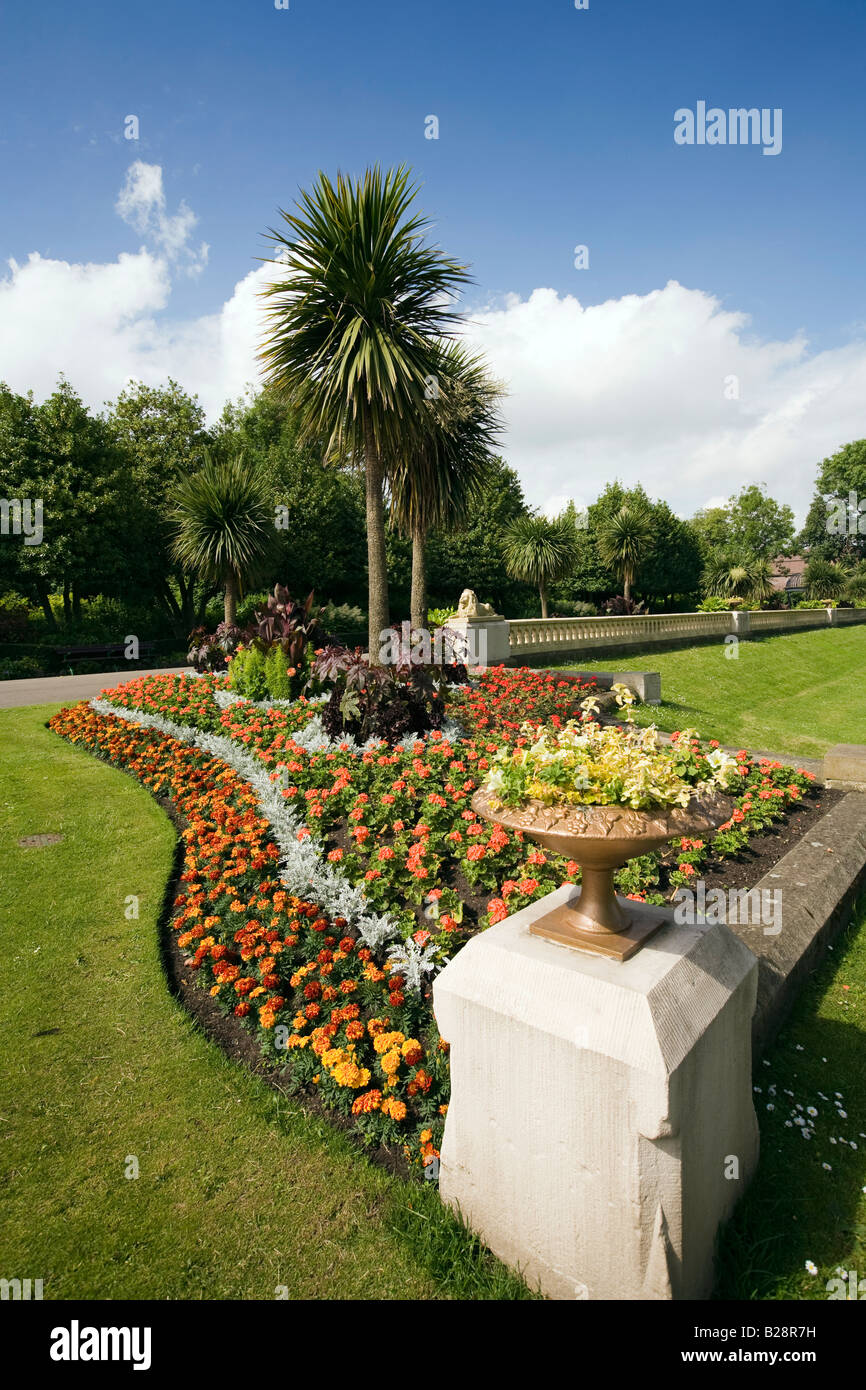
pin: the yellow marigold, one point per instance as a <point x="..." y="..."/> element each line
<point x="332" y="1056"/>
<point x="215" y="989"/>
<point x="296" y="1041"/>
<point x="266" y="1018"/>
<point x="395" y="1108"/>
<point x="350" y="1074"/>
<point x="260" y="989"/>
<point x="412" y="1051"/>
<point x="426" y="1136"/>
<point x="391" y="1061"/>
<point x="383" y="1042"/>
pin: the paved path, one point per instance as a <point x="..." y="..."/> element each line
<point x="46" y="690"/>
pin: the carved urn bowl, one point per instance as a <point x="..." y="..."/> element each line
<point x="601" y="839"/>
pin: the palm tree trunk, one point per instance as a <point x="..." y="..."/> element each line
<point x="377" y="569"/>
<point x="626" y="585"/>
<point x="230" y="608"/>
<point x="418" y="612"/>
<point x="542" y="591"/>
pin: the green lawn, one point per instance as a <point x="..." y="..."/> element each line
<point x="796" y="694"/>
<point x="240" y="1190"/>
<point x="796" y="1209"/>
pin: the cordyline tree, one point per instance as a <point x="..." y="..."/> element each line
<point x="224" y="526"/>
<point x="539" y="551"/>
<point x="436" y="484"/>
<point x="355" y="320"/>
<point x="624" y="542"/>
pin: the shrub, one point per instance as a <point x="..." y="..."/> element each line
<point x="14" y="615"/>
<point x="567" y="609"/>
<point x="386" y="702"/>
<point x="277" y="678"/>
<point x="619" y="607"/>
<point x="210" y="651"/>
<point x="713" y="604"/>
<point x="19" y="668"/>
<point x="438" y="617"/>
<point x="247" y="673"/>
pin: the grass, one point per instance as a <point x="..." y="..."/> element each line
<point x="799" y="693"/>
<point x="239" y="1191"/>
<point x="796" y="1210"/>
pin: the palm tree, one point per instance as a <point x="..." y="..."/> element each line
<point x="539" y="551"/>
<point x="354" y="323"/>
<point x="436" y="485"/>
<point x="624" y="541"/>
<point x="825" y="579"/>
<point x="856" y="586"/>
<point x="745" y="577"/>
<point x="224" y="525"/>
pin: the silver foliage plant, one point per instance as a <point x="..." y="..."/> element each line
<point x="301" y="867"/>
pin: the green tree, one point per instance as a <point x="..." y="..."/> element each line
<point x="751" y="523"/>
<point x="746" y="578"/>
<point x="60" y="456"/>
<point x="354" y="317"/>
<point x="836" y="524"/>
<point x="161" y="430"/>
<point x="625" y="541"/>
<point x="223" y="523"/>
<point x="759" y="525"/>
<point x="826" y="578"/>
<point x="712" y="527"/>
<point x="540" y="551"/>
<point x="321" y="540"/>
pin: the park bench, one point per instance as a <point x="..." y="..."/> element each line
<point x="108" y="649"/>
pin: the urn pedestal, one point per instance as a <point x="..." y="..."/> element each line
<point x="601" y="1124"/>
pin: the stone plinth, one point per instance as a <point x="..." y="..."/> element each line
<point x="845" y="766"/>
<point x="486" y="639"/>
<point x="601" y="1123"/>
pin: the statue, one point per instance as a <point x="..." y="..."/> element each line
<point x="469" y="607"/>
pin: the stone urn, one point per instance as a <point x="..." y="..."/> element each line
<point x="601" y="839"/>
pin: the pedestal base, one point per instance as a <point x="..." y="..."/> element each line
<point x="567" y="926"/>
<point x="601" y="1124"/>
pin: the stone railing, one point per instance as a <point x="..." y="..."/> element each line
<point x="567" y="636"/>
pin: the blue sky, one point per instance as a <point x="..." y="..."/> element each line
<point x="556" y="128"/>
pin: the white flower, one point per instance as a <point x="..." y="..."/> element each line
<point x="827" y="1166"/>
<point x="811" y="1267"/>
<point x="810" y="1110"/>
<point x="843" y="1114"/>
<point x="771" y="1106"/>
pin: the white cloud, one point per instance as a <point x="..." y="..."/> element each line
<point x="668" y="389"/>
<point x="637" y="388"/>
<point x="141" y="204"/>
<point x="101" y="325"/>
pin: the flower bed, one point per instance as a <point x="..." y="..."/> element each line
<point x="353" y="1012"/>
